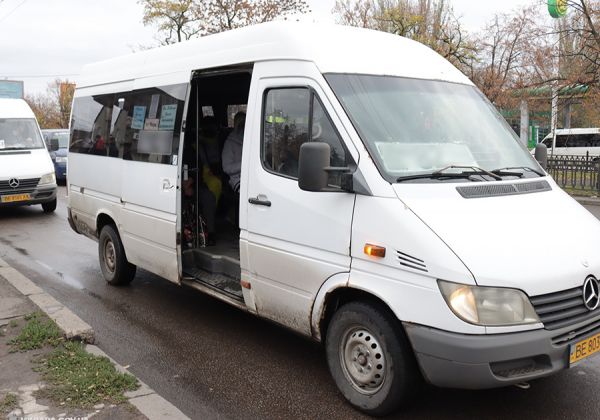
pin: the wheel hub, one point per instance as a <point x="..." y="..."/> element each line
<point x="109" y="256"/>
<point x="363" y="360"/>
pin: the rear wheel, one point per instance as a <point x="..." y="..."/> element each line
<point x="113" y="263"/>
<point x="49" y="207"/>
<point x="370" y="358"/>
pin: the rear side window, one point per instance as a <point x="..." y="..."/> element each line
<point x="561" y="141"/>
<point x="291" y="117"/>
<point x="142" y="125"/>
<point x="90" y="124"/>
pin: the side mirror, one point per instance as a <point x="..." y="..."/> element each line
<point x="53" y="145"/>
<point x="315" y="158"/>
<point x="541" y="155"/>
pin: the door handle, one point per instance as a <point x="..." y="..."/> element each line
<point x="260" y="200"/>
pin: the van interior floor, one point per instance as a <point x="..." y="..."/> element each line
<point x="216" y="266"/>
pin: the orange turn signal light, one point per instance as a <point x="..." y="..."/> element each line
<point x="374" y="250"/>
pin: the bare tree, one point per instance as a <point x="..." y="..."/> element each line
<point x="179" y="20"/>
<point x="176" y="20"/>
<point x="431" y="22"/>
<point x="508" y="53"/>
<point x="53" y="108"/>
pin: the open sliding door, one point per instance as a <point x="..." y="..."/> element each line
<point x="150" y="176"/>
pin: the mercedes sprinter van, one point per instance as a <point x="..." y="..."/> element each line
<point x="26" y="171"/>
<point x="348" y="184"/>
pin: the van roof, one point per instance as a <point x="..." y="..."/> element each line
<point x="333" y="48"/>
<point x="15" y="108"/>
<point x="573" y="131"/>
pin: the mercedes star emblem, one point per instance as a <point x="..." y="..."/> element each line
<point x="591" y="293"/>
<point x="13" y="182"/>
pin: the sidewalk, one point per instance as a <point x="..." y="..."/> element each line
<point x="35" y="350"/>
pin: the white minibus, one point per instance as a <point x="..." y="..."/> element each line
<point x="348" y="184"/>
<point x="574" y="142"/>
<point x="26" y="171"/>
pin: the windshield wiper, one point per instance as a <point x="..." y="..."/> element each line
<point x="474" y="170"/>
<point x="524" y="168"/>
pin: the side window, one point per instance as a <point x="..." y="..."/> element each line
<point x="90" y="124"/>
<point x="548" y="143"/>
<point x="561" y="141"/>
<point x="285" y="128"/>
<point x="150" y="124"/>
<point x="291" y="117"/>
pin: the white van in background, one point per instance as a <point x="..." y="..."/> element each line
<point x="574" y="142"/>
<point x="26" y="170"/>
<point x="372" y="214"/>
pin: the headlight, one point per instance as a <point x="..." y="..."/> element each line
<point x="61" y="159"/>
<point x="48" y="179"/>
<point x="489" y="306"/>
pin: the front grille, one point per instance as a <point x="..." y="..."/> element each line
<point x="572" y="336"/>
<point x="561" y="309"/>
<point x="27" y="185"/>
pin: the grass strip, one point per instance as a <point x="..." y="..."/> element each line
<point x="8" y="404"/>
<point x="79" y="379"/>
<point x="38" y="332"/>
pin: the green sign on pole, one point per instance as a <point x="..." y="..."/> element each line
<point x="557" y="8"/>
<point x="534" y="136"/>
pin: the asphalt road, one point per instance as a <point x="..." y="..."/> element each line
<point x="214" y="361"/>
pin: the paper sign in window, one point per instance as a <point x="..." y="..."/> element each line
<point x="151" y="124"/>
<point x="139" y="114"/>
<point x="168" y="113"/>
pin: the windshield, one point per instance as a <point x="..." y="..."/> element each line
<point x="19" y="133"/>
<point x="63" y="138"/>
<point x="413" y="126"/>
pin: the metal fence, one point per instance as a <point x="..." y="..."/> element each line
<point x="579" y="173"/>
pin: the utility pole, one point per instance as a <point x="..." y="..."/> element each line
<point x="524" y="134"/>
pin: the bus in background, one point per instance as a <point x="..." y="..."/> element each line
<point x="574" y="142"/>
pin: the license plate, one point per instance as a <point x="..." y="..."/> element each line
<point x="584" y="348"/>
<point x="15" y="197"/>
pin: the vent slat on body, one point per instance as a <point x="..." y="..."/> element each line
<point x="409" y="261"/>
<point x="496" y="190"/>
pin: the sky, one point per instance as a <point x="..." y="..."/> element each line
<point x="41" y="40"/>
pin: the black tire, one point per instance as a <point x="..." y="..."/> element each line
<point x="363" y="341"/>
<point x="49" y="207"/>
<point x="115" y="268"/>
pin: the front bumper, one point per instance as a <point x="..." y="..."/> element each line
<point x="466" y="361"/>
<point x="40" y="195"/>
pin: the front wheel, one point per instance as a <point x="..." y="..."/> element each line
<point x="49" y="207"/>
<point x="113" y="263"/>
<point x="370" y="358"/>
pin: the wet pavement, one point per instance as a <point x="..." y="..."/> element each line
<point x="214" y="361"/>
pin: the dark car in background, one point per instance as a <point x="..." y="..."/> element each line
<point x="57" y="142"/>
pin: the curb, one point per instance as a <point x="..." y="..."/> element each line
<point x="145" y="399"/>
<point x="70" y="324"/>
<point x="587" y="201"/>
